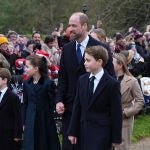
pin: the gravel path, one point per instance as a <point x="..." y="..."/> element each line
<point x="141" y="145"/>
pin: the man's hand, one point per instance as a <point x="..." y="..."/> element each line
<point x="60" y="108"/>
<point x="72" y="139"/>
<point x="115" y="144"/>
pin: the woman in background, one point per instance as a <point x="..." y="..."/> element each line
<point x="132" y="98"/>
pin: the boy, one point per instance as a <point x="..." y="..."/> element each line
<point x="97" y="114"/>
<point x="10" y="114"/>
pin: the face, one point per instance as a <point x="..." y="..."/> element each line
<point x="50" y="44"/>
<point x="112" y="46"/>
<point x="37" y="37"/>
<point x="94" y="35"/>
<point x="117" y="67"/>
<point x="3" y="83"/>
<point x="4" y="46"/>
<point x="30" y="69"/>
<point x="13" y="38"/>
<point x="91" y="64"/>
<point x="77" y="31"/>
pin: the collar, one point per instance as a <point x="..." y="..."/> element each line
<point x="99" y="75"/>
<point x="4" y="90"/>
<point x="84" y="42"/>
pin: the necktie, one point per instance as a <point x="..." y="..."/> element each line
<point x="78" y="51"/>
<point x="91" y="86"/>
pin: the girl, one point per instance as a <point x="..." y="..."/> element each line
<point x="39" y="126"/>
<point x="132" y="98"/>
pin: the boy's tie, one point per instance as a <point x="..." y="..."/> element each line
<point x="78" y="51"/>
<point x="91" y="86"/>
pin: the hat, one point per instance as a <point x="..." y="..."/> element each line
<point x="129" y="54"/>
<point x="3" y="40"/>
<point x="42" y="53"/>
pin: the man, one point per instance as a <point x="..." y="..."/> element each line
<point x="36" y="36"/>
<point x="71" y="68"/>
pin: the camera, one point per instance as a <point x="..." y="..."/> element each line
<point x="84" y="8"/>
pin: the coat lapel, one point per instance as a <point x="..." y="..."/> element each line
<point x="4" y="99"/>
<point x="100" y="87"/>
<point x="124" y="84"/>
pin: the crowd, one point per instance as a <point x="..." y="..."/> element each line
<point x="91" y="80"/>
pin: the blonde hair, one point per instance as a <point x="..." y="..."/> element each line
<point x="121" y="59"/>
<point x="100" y="34"/>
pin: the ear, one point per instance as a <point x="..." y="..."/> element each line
<point x="100" y="61"/>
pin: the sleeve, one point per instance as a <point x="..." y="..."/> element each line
<point x="25" y="101"/>
<point x="5" y="63"/>
<point x="62" y="80"/>
<point x="17" y="117"/>
<point x="138" y="100"/>
<point x="116" y="113"/>
<point x="74" y="126"/>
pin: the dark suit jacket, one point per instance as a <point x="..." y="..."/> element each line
<point x="10" y="119"/>
<point x="70" y="71"/>
<point x="97" y="121"/>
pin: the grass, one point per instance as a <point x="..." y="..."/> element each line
<point x="141" y="127"/>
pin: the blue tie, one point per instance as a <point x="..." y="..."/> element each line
<point x="79" y="55"/>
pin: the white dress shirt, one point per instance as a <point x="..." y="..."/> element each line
<point x="98" y="77"/>
<point x="83" y="45"/>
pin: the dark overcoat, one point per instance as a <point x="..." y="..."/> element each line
<point x="10" y="121"/>
<point x="40" y="129"/>
<point x="97" y="121"/>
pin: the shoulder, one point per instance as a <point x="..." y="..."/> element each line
<point x="68" y="45"/>
<point x="11" y="94"/>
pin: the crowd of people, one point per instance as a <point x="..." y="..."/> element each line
<point x="90" y="79"/>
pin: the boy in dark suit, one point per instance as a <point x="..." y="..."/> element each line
<point x="10" y="115"/>
<point x="96" y="121"/>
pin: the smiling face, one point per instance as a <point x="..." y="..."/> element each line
<point x="91" y="64"/>
<point x="77" y="30"/>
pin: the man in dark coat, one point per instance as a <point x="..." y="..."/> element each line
<point x="71" y="69"/>
<point x="10" y="115"/>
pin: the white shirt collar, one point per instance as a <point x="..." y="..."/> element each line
<point x="99" y="75"/>
<point x="84" y="42"/>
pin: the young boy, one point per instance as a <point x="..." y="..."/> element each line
<point x="10" y="114"/>
<point x="97" y="114"/>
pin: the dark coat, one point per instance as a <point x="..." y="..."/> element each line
<point x="40" y="129"/>
<point x="10" y="121"/>
<point x="97" y="121"/>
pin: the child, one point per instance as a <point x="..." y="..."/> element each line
<point x="38" y="92"/>
<point x="97" y="115"/>
<point x="10" y="115"/>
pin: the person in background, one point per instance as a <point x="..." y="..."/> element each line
<point x="99" y="34"/>
<point x="36" y="36"/>
<point x="38" y="96"/>
<point x="96" y="120"/>
<point x="99" y="24"/>
<point x="10" y="115"/>
<point x="12" y="37"/>
<point x="49" y="46"/>
<point x="132" y="98"/>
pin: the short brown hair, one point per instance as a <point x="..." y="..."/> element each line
<point x="98" y="52"/>
<point x="5" y="74"/>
